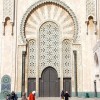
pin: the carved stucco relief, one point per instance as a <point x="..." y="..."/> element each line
<point x="8" y="10"/>
<point x="90" y="8"/>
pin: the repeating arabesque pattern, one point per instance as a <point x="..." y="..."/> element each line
<point x="32" y="59"/>
<point x="66" y="58"/>
<point x="49" y="46"/>
<point x="5" y="85"/>
<point x="49" y="10"/>
<point x="90" y="8"/>
<point x="8" y="9"/>
<point x="53" y="18"/>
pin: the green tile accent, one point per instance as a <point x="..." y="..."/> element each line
<point x="1" y="96"/>
<point x="86" y="94"/>
<point x="18" y="94"/>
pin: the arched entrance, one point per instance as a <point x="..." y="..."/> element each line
<point x="48" y="23"/>
<point x="49" y="83"/>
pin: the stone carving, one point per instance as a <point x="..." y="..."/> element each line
<point x="8" y="9"/>
<point x="90" y="8"/>
<point x="32" y="59"/>
<point x="8" y="12"/>
<point x="5" y="85"/>
<point x="66" y="9"/>
<point x="66" y="58"/>
<point x="49" y="46"/>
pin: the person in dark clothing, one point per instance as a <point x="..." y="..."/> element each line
<point x="13" y="96"/>
<point x="66" y="95"/>
<point x="62" y="95"/>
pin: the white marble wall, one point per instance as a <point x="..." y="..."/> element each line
<point x="11" y="47"/>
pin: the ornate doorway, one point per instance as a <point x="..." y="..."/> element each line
<point x="49" y="83"/>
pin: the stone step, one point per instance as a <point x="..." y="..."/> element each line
<point x="58" y="98"/>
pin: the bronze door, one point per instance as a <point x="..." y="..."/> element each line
<point x="67" y="85"/>
<point x="49" y="83"/>
<point x="31" y="85"/>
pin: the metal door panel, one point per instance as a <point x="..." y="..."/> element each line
<point x="67" y="85"/>
<point x="31" y="85"/>
<point x="46" y="89"/>
<point x="49" y="83"/>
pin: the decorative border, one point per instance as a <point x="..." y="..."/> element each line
<point x="58" y="2"/>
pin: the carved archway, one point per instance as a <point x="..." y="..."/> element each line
<point x="38" y="13"/>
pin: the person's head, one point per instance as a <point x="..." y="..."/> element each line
<point x="66" y="91"/>
<point x="13" y="93"/>
<point x="23" y="94"/>
<point x="33" y="92"/>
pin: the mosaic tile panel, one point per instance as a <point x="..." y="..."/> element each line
<point x="66" y="58"/>
<point x="8" y="9"/>
<point x="49" y="46"/>
<point x="32" y="59"/>
<point x="5" y="85"/>
<point x="90" y="8"/>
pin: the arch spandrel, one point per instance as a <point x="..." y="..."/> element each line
<point x="49" y="10"/>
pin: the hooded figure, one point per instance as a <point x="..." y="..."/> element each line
<point x="13" y="96"/>
<point x="66" y="95"/>
<point x="24" y="96"/>
<point x="32" y="96"/>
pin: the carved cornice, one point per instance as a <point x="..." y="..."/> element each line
<point x="58" y="2"/>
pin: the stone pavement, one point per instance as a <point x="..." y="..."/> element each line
<point x="58" y="98"/>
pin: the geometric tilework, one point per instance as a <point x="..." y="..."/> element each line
<point x="5" y="85"/>
<point x="8" y="9"/>
<point x="49" y="46"/>
<point x="51" y="10"/>
<point x="90" y="8"/>
<point x="66" y="58"/>
<point x="32" y="59"/>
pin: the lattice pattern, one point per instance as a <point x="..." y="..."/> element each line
<point x="66" y="58"/>
<point x="8" y="9"/>
<point x="32" y="59"/>
<point x="49" y="10"/>
<point x="90" y="8"/>
<point x="5" y="85"/>
<point x="49" y="46"/>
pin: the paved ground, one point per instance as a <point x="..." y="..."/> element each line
<point x="58" y="98"/>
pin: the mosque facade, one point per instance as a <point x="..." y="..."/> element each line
<point x="49" y="46"/>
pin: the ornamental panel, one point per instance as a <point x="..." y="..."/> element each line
<point x="32" y="59"/>
<point x="5" y="85"/>
<point x="51" y="10"/>
<point x="49" y="46"/>
<point x="8" y="9"/>
<point x="90" y="8"/>
<point x="66" y="56"/>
